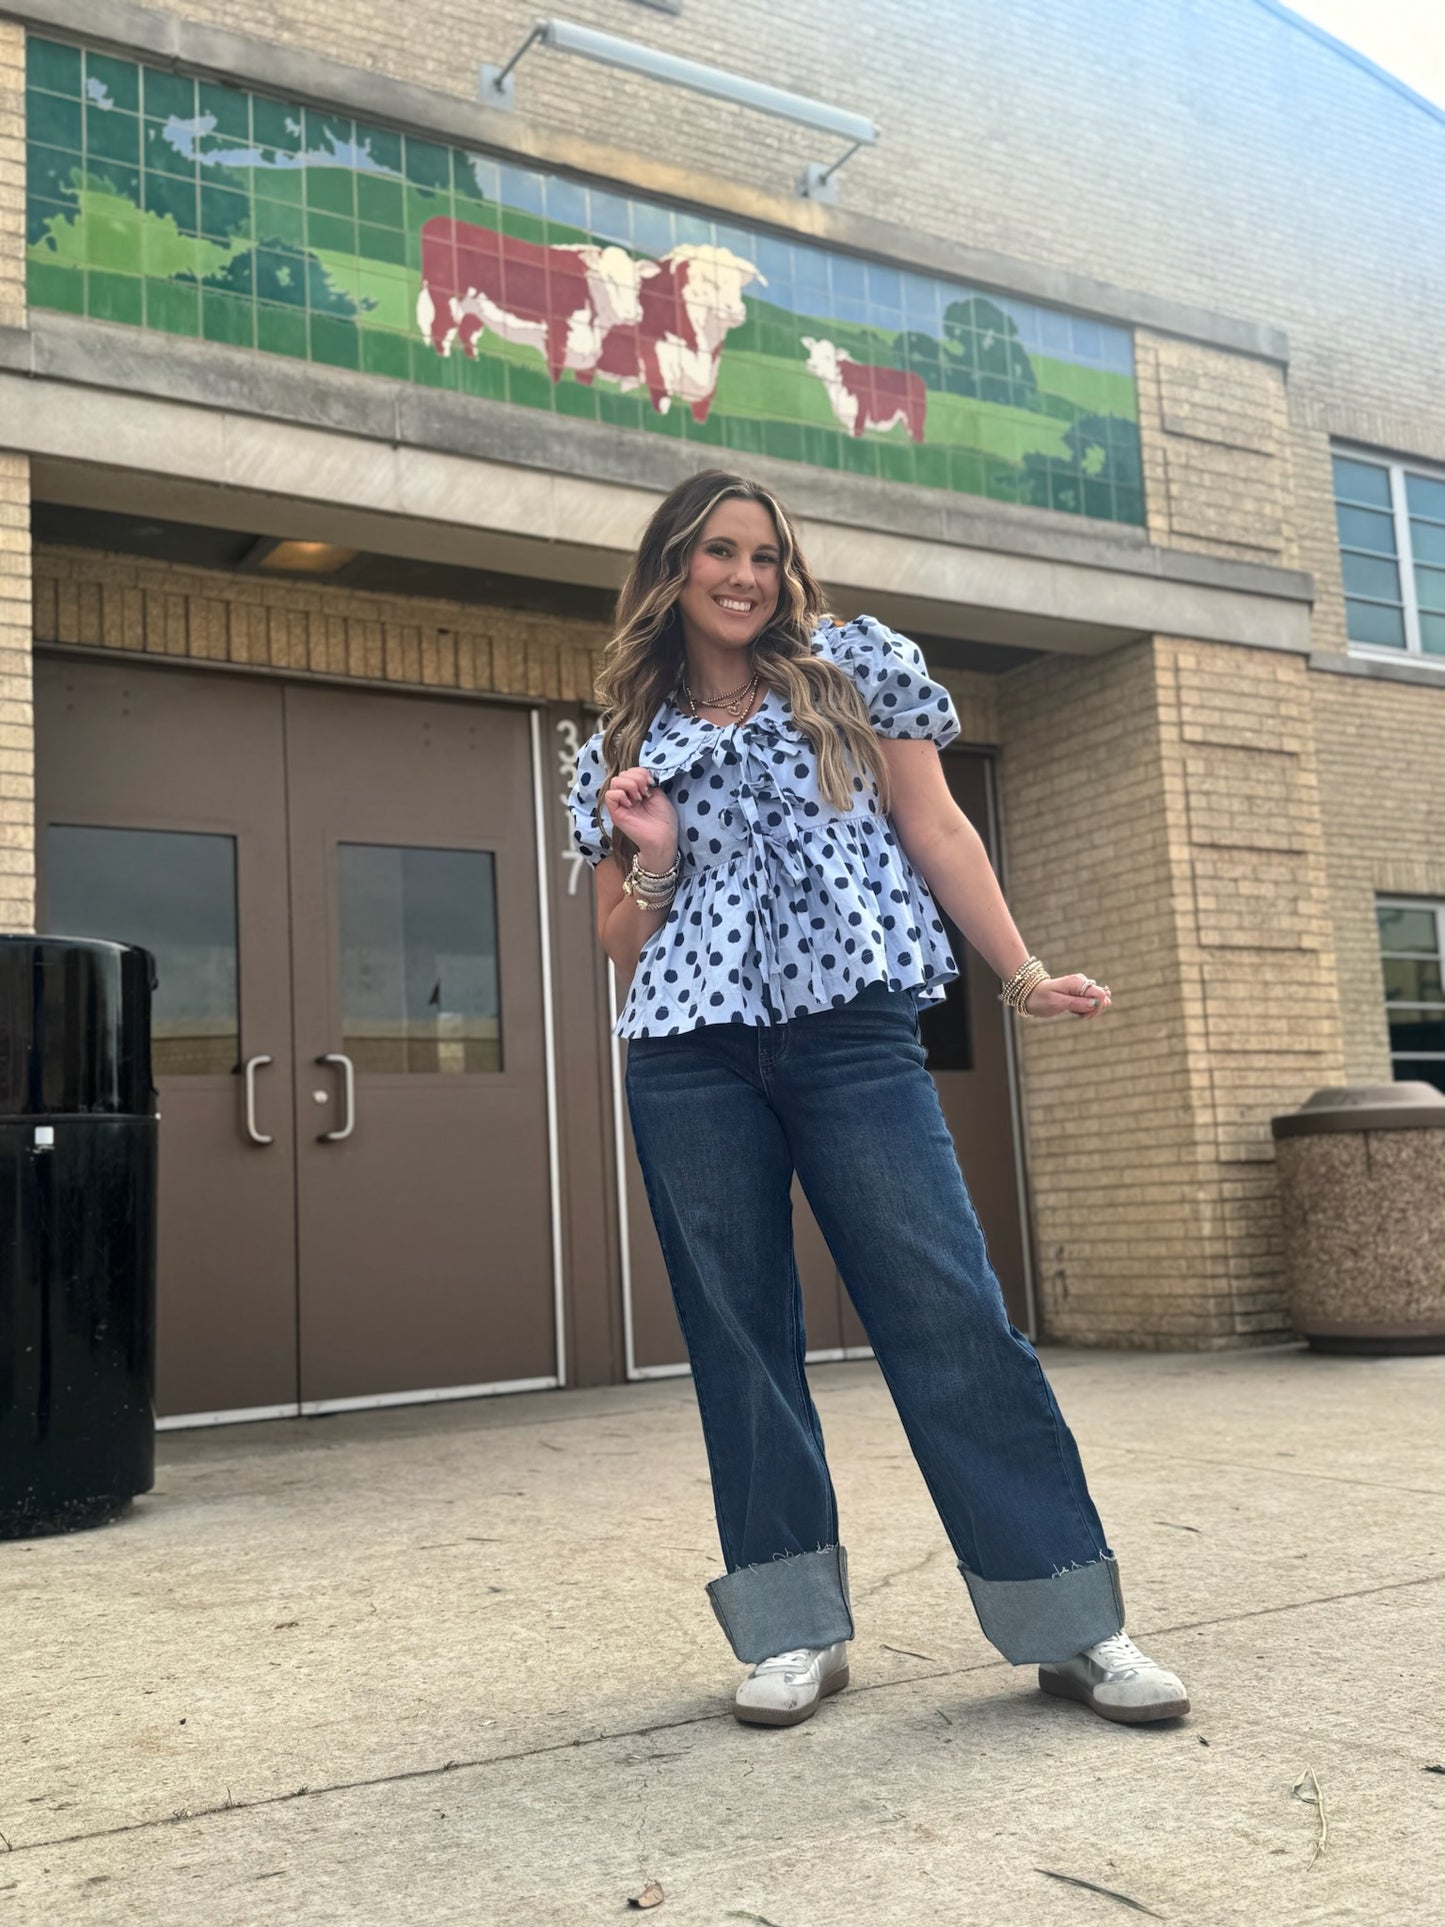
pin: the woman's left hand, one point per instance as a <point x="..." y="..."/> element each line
<point x="1075" y="994"/>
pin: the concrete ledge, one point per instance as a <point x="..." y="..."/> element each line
<point x="205" y="377"/>
<point x="1330" y="663"/>
<point x="167" y="39"/>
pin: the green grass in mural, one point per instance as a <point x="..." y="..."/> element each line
<point x="1093" y="391"/>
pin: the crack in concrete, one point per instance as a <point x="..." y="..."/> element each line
<point x="902" y="1572"/>
<point x="186" y="1814"/>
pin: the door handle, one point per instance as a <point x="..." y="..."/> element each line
<point x="253" y="1131"/>
<point x="348" y="1084"/>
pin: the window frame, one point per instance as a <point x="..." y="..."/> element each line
<point x="1436" y="907"/>
<point x="1397" y="470"/>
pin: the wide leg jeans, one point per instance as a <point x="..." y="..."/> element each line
<point x="722" y="1116"/>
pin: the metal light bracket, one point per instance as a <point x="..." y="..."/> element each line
<point x="497" y="89"/>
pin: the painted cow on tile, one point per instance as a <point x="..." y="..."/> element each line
<point x="692" y="298"/>
<point x="563" y="301"/>
<point x="864" y="395"/>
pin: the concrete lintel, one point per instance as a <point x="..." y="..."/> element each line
<point x="1379" y="668"/>
<point x="152" y="455"/>
<point x="298" y="71"/>
<point x="205" y="376"/>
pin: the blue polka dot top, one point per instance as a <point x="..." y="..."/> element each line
<point x="786" y="905"/>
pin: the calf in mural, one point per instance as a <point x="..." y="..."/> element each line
<point x="865" y="396"/>
<point x="563" y="301"/>
<point x="692" y="299"/>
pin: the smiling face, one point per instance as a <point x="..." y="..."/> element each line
<point x="731" y="590"/>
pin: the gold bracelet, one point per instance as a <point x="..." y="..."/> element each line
<point x="652" y="889"/>
<point x="1026" y="979"/>
<point x="1028" y="964"/>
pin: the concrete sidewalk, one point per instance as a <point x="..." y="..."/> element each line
<point x="455" y="1664"/>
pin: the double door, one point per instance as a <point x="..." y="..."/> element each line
<point x="341" y="892"/>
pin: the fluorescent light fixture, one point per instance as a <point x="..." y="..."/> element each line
<point x="298" y="558"/>
<point x="497" y="89"/>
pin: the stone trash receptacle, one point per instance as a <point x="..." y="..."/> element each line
<point x="1362" y="1198"/>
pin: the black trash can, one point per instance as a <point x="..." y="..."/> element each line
<point x="78" y="1131"/>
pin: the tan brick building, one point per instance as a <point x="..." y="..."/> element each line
<point x="1148" y="287"/>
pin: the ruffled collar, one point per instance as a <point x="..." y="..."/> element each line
<point x="677" y="741"/>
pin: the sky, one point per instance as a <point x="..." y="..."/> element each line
<point x="1407" y="37"/>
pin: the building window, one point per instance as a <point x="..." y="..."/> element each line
<point x="1412" y="950"/>
<point x="1391" y="519"/>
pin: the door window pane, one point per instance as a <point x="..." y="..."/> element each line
<point x="174" y="893"/>
<point x="419" y="959"/>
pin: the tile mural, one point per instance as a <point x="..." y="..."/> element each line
<point x="199" y="209"/>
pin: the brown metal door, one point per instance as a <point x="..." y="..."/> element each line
<point x="161" y="821"/>
<point x="424" y="1206"/>
<point x="968" y="1055"/>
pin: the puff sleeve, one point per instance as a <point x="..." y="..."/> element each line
<point x="903" y="699"/>
<point x="586" y="793"/>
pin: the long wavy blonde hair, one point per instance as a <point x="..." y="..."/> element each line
<point x="643" y="664"/>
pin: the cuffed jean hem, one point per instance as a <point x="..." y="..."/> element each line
<point x="1045" y="1621"/>
<point x="798" y="1600"/>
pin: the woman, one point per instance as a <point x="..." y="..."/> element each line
<point x="778" y="818"/>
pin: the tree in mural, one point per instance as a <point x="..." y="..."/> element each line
<point x="1102" y="448"/>
<point x="988" y="359"/>
<point x="980" y="355"/>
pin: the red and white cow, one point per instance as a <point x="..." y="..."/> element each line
<point x="564" y="301"/>
<point x="691" y="299"/>
<point x="864" y="395"/>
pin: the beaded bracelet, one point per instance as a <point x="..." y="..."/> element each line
<point x="1027" y="978"/>
<point x="652" y="889"/>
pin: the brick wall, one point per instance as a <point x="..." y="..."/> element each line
<point x="1381" y="753"/>
<point x="1162" y="831"/>
<point x="1215" y="442"/>
<point x="17" y="748"/>
<point x="120" y="602"/>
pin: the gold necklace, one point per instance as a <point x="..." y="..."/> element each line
<point x="735" y="701"/>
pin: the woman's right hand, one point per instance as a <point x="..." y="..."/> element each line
<point x="641" y="811"/>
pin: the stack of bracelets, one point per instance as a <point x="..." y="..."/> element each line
<point x="1029" y="975"/>
<point x="652" y="889"/>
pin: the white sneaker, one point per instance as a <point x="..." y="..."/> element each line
<point x="1119" y="1682"/>
<point x="785" y="1689"/>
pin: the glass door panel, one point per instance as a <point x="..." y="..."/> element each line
<point x="174" y="893"/>
<point x="419" y="959"/>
